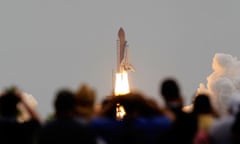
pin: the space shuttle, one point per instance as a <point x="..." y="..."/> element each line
<point x="123" y="53"/>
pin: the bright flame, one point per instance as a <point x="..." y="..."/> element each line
<point x="120" y="112"/>
<point x="121" y="84"/>
<point x="121" y="88"/>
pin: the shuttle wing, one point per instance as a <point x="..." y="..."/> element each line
<point x="125" y="62"/>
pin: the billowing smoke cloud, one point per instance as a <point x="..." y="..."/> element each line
<point x="224" y="82"/>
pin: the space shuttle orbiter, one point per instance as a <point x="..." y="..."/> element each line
<point x="122" y="53"/>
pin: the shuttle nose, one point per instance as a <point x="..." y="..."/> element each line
<point x="121" y="33"/>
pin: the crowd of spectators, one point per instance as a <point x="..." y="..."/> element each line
<point x="77" y="119"/>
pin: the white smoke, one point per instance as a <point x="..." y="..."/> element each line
<point x="224" y="82"/>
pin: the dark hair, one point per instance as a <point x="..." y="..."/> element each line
<point x="8" y="103"/>
<point x="65" y="101"/>
<point x="169" y="89"/>
<point x="202" y="104"/>
<point x="134" y="103"/>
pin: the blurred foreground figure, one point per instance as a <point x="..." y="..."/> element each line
<point x="235" y="127"/>
<point x="144" y="122"/>
<point x="203" y="110"/>
<point x="206" y="116"/>
<point x="185" y="124"/>
<point x="85" y="98"/>
<point x="66" y="127"/>
<point x="11" y="130"/>
<point x="221" y="130"/>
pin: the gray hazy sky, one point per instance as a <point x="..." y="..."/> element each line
<point x="49" y="44"/>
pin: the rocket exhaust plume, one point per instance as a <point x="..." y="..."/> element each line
<point x="223" y="84"/>
<point x="121" y="81"/>
<point x="121" y="84"/>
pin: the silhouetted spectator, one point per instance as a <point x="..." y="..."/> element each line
<point x="236" y="130"/>
<point x="85" y="97"/>
<point x="65" y="127"/>
<point x="184" y="126"/>
<point x="11" y="130"/>
<point x="221" y="130"/>
<point x="144" y="122"/>
<point x="203" y="110"/>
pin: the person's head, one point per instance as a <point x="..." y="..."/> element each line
<point x="170" y="89"/>
<point x="85" y="97"/>
<point x="202" y="104"/>
<point x="8" y="103"/>
<point x="64" y="103"/>
<point x="170" y="92"/>
<point x="135" y="104"/>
